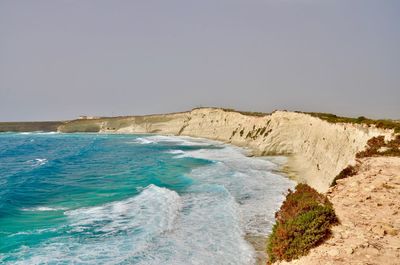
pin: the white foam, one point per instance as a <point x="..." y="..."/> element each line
<point x="46" y="133"/>
<point x="38" y="162"/>
<point x="175" y="152"/>
<point x="181" y="140"/>
<point x="34" y="232"/>
<point x="38" y="133"/>
<point x="142" y="141"/>
<point x="44" y="209"/>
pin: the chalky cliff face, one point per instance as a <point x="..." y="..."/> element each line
<point x="317" y="150"/>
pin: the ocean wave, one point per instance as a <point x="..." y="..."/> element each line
<point x="156" y="204"/>
<point x="209" y="232"/>
<point x="114" y="232"/>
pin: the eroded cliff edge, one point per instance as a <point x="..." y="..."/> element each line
<point x="317" y="150"/>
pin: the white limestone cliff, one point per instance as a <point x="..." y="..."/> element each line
<point x="317" y="150"/>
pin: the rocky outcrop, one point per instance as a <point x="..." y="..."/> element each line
<point x="367" y="205"/>
<point x="317" y="150"/>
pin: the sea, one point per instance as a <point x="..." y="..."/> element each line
<point x="133" y="199"/>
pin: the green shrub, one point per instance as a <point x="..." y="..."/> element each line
<point x="303" y="199"/>
<point x="303" y="222"/>
<point x="347" y="172"/>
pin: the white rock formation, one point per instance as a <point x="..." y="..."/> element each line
<point x="318" y="150"/>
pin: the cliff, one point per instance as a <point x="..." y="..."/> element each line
<point x="317" y="150"/>
<point x="45" y="126"/>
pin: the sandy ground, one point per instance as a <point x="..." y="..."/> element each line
<point x="368" y="207"/>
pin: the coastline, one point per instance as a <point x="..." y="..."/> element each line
<point x="316" y="150"/>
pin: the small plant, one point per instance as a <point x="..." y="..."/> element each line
<point x="347" y="172"/>
<point x="303" y="221"/>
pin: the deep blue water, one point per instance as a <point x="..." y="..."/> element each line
<point x="131" y="199"/>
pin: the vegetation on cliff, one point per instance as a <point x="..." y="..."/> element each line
<point x="303" y="222"/>
<point x="332" y="118"/>
<point x="347" y="172"/>
<point x="248" y="113"/>
<point x="377" y="146"/>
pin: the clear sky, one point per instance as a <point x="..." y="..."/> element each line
<point x="63" y="58"/>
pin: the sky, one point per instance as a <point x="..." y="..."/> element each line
<point x="64" y="58"/>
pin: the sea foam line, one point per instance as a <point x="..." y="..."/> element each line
<point x="181" y="140"/>
<point x="44" y="209"/>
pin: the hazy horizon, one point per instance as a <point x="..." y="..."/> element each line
<point x="62" y="59"/>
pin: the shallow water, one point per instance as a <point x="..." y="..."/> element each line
<point x="131" y="199"/>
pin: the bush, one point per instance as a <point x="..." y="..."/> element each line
<point x="303" y="222"/>
<point x="303" y="199"/>
<point x="347" y="172"/>
<point x="374" y="145"/>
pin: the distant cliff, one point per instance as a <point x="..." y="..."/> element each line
<point x="44" y="126"/>
<point x="317" y="150"/>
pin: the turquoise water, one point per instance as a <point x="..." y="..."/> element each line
<point x="131" y="199"/>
